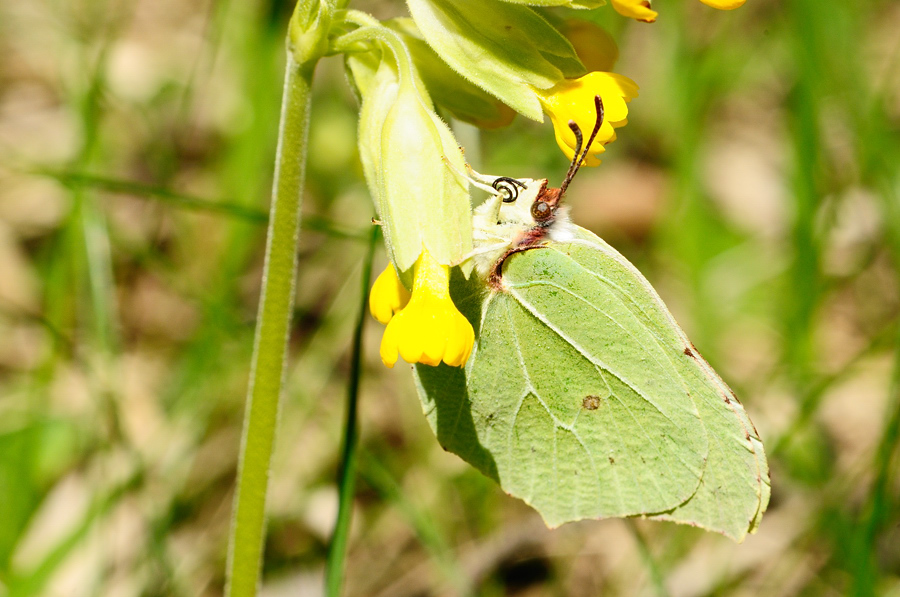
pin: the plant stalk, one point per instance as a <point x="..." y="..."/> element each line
<point x="267" y="367"/>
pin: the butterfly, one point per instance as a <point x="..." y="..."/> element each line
<point x="583" y="397"/>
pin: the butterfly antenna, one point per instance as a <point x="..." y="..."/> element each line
<point x="579" y="154"/>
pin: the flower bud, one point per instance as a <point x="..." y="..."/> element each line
<point x="308" y="31"/>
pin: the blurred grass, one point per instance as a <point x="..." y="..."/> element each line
<point x="757" y="185"/>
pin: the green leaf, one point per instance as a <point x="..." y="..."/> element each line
<point x="588" y="4"/>
<point x="452" y="92"/>
<point x="29" y="456"/>
<point x="507" y="50"/>
<point x="584" y="398"/>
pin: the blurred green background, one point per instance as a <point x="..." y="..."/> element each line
<point x="757" y="186"/>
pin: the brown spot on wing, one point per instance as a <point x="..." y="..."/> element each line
<point x="590" y="402"/>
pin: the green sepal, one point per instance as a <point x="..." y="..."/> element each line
<point x="379" y="92"/>
<point x="450" y="91"/>
<point x="506" y="49"/>
<point x="361" y="68"/>
<point x="424" y="205"/>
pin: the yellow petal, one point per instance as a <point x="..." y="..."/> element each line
<point x="434" y="332"/>
<point x="573" y="100"/>
<point x="388" y="295"/>
<point x="635" y="9"/>
<point x="388" y="350"/>
<point x="459" y="343"/>
<point x="429" y="329"/>
<point x="724" y="4"/>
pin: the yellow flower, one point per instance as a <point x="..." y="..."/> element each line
<point x="640" y="9"/>
<point x="388" y="295"/>
<point x="724" y="4"/>
<point x="573" y="100"/>
<point x="636" y="9"/>
<point x="429" y="329"/>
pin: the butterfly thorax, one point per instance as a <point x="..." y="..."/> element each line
<point x="508" y="223"/>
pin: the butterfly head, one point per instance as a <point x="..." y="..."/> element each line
<point x="529" y="202"/>
<point x="525" y="202"/>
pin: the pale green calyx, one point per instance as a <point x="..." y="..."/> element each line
<point x="506" y="49"/>
<point x="407" y="154"/>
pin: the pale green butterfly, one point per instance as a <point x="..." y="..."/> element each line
<point x="583" y="396"/>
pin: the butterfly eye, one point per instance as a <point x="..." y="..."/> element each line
<point x="508" y="188"/>
<point x="541" y="211"/>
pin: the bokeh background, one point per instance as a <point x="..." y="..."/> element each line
<point x="757" y="186"/>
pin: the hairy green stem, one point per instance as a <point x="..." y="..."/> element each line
<point x="276" y="305"/>
<point x="337" y="551"/>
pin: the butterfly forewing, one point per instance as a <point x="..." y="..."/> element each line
<point x="584" y="398"/>
<point x="630" y="440"/>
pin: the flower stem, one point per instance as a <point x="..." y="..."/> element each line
<point x="337" y="551"/>
<point x="272" y="329"/>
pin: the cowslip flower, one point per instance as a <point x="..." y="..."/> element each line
<point x="388" y="295"/>
<point x="573" y="100"/>
<point x="636" y="9"/>
<point x="429" y="329"/>
<point x="640" y="9"/>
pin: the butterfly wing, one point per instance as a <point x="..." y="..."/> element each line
<point x="585" y="399"/>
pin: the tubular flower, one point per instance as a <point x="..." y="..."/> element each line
<point x="637" y="9"/>
<point x="429" y="329"/>
<point x="388" y="295"/>
<point x="573" y="100"/>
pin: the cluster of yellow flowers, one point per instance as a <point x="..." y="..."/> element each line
<point x="641" y="11"/>
<point x="425" y="326"/>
